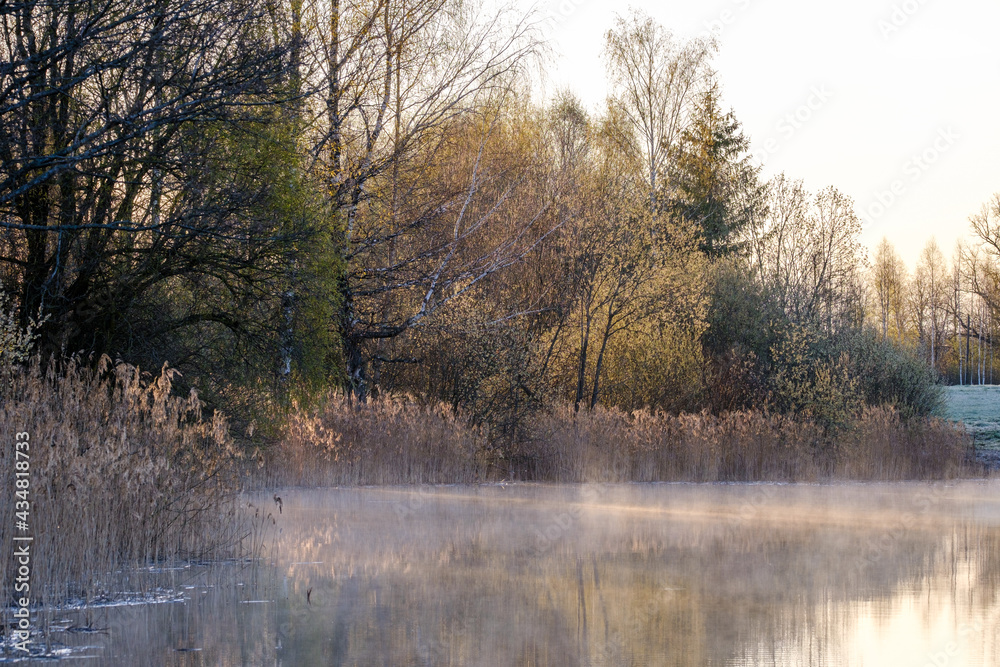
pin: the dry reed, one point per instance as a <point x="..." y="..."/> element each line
<point x="392" y="440"/>
<point x="398" y="441"/>
<point x="122" y="473"/>
<point x="610" y="445"/>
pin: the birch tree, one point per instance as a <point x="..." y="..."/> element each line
<point x="396" y="85"/>
<point x="655" y="80"/>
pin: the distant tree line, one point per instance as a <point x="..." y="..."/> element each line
<point x="945" y="312"/>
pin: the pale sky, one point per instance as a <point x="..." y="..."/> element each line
<point x="904" y="95"/>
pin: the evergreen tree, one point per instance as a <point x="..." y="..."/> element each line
<point x="714" y="186"/>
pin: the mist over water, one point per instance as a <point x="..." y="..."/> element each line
<point x="658" y="574"/>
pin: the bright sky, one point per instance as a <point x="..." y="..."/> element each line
<point x="894" y="102"/>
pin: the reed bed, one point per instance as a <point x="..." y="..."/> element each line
<point x="400" y="441"/>
<point x="388" y="440"/>
<point x="610" y="445"/>
<point x="122" y="474"/>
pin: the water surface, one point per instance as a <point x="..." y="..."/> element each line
<point x="661" y="574"/>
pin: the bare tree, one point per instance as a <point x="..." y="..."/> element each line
<point x="397" y="84"/>
<point x="655" y="82"/>
<point x="930" y="299"/>
<point x="113" y="118"/>
<point x="807" y="253"/>
<point x="889" y="281"/>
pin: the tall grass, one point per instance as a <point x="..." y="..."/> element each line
<point x="610" y="445"/>
<point x="122" y="473"/>
<point x="384" y="441"/>
<point x="399" y="441"/>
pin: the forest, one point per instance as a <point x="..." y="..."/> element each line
<point x="304" y="214"/>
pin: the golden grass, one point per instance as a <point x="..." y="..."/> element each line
<point x="610" y="445"/>
<point x="399" y="441"/>
<point x="122" y="473"/>
<point x="383" y="441"/>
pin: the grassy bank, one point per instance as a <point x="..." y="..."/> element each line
<point x="401" y="441"/>
<point x="121" y="473"/>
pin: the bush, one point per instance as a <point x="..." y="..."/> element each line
<point x="813" y="383"/>
<point x="889" y="374"/>
<point x="758" y="354"/>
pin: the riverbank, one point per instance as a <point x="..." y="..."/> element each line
<point x="398" y="440"/>
<point x="122" y="474"/>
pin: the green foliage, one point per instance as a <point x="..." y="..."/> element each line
<point x="758" y="354"/>
<point x="713" y="183"/>
<point x="249" y="320"/>
<point x="889" y="374"/>
<point x="807" y="382"/>
<point x="658" y="367"/>
<point x="744" y="324"/>
<point x="742" y="315"/>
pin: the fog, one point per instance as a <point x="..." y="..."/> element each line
<point x="653" y="574"/>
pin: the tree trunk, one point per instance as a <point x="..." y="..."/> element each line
<point x="357" y="369"/>
<point x="583" y="363"/>
<point x="600" y="357"/>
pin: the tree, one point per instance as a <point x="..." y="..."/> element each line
<point x="981" y="260"/>
<point x="807" y="253"/>
<point x="889" y="280"/>
<point x="655" y="82"/>
<point x="408" y="96"/>
<point x="982" y="272"/>
<point x="929" y="294"/>
<point x="627" y="279"/>
<point x="713" y="184"/>
<point x="137" y="206"/>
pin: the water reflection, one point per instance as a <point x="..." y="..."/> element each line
<point x="601" y="575"/>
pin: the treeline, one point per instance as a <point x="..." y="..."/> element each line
<point x="945" y="311"/>
<point x="280" y="199"/>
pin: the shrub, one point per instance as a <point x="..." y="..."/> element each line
<point x="15" y="342"/>
<point x="812" y="384"/>
<point x="889" y="374"/>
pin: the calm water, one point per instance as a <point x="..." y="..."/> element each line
<point x="667" y="574"/>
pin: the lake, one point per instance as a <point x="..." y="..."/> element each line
<point x="652" y="574"/>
